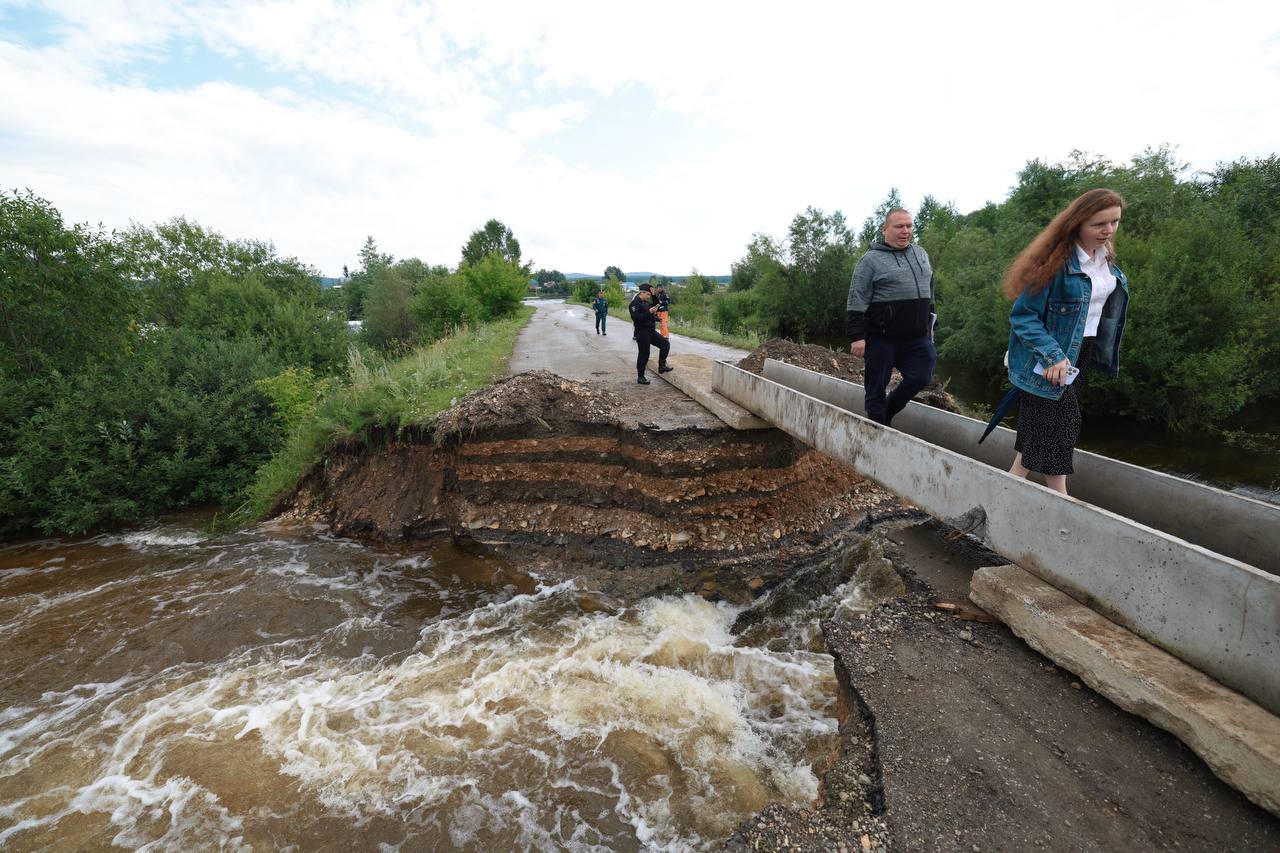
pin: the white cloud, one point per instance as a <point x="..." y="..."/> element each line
<point x="417" y="122"/>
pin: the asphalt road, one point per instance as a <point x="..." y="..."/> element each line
<point x="561" y="338"/>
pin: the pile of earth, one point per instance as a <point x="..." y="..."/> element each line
<point x="536" y="397"/>
<point x="836" y="363"/>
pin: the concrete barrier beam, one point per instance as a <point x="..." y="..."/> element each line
<point x="1229" y="524"/>
<point x="1214" y="612"/>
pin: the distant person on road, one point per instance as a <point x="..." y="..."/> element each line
<point x="643" y="315"/>
<point x="1069" y="306"/>
<point x="890" y="317"/>
<point x="664" y="309"/>
<point x="601" y="306"/>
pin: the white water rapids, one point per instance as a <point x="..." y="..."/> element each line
<point x="284" y="689"/>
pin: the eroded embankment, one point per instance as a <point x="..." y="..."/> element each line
<point x="536" y="467"/>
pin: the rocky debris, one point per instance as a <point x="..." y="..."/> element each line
<point x="820" y="831"/>
<point x="537" y="397"/>
<point x="861" y="563"/>
<point x="836" y="363"/>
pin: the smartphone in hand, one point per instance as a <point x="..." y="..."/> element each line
<point x="1072" y="372"/>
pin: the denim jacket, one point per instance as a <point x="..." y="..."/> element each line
<point x="1048" y="326"/>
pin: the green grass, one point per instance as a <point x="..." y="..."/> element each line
<point x="392" y="394"/>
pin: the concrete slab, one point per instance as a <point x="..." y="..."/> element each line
<point x="1238" y="739"/>
<point x="1216" y="613"/>
<point x="1230" y="524"/>
<point x="692" y="375"/>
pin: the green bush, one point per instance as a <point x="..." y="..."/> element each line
<point x="498" y="285"/>
<point x="179" y="423"/>
<point x="388" y="323"/>
<point x="130" y="367"/>
<point x="735" y="312"/>
<point x="443" y="305"/>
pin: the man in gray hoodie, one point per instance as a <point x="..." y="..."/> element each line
<point x="890" y="315"/>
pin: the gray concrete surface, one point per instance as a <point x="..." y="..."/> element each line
<point x="561" y="338"/>
<point x="1216" y="613"/>
<point x="1239" y="740"/>
<point x="1230" y="524"/>
<point x="693" y="376"/>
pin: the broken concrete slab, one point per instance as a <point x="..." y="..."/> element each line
<point x="1237" y="738"/>
<point x="692" y="375"/>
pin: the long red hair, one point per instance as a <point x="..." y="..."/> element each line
<point x="1036" y="265"/>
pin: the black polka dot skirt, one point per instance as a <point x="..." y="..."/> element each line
<point x="1048" y="429"/>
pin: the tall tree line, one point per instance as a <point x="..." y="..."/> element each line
<point x="1202" y="253"/>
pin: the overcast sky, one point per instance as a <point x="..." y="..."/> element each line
<point x="656" y="136"/>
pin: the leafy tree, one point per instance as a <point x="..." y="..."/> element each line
<point x="372" y="260"/>
<point x="493" y="239"/>
<point x="699" y="283"/>
<point x="388" y="324"/>
<point x="497" y="284"/>
<point x="812" y="233"/>
<point x="933" y="216"/>
<point x="444" y="304"/>
<point x="761" y="250"/>
<point x="615" y="273"/>
<point x="65" y="298"/>
<point x="549" y="276"/>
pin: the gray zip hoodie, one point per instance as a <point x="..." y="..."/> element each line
<point x="891" y="294"/>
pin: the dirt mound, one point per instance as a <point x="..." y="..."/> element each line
<point x="537" y="396"/>
<point x="836" y="363"/>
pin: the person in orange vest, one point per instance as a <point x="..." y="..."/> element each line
<point x="664" y="309"/>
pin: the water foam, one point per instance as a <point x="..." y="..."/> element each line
<point x="525" y="723"/>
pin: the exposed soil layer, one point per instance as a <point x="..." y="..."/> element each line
<point x="835" y="363"/>
<point x="538" y="468"/>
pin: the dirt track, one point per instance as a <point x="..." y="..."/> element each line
<point x="561" y="338"/>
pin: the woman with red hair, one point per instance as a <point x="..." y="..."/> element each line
<point x="1069" y="306"/>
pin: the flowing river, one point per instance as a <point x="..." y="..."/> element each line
<point x="283" y="688"/>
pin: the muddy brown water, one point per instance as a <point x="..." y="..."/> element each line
<point x="283" y="687"/>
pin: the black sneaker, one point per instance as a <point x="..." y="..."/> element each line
<point x="642" y="381"/>
<point x="665" y="369"/>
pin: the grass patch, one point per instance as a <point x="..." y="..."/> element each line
<point x="397" y="394"/>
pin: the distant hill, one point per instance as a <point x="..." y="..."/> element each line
<point x="329" y="281"/>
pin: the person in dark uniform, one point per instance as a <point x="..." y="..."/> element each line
<point x="643" y="316"/>
<point x="601" y="306"/>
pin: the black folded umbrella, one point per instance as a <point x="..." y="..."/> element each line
<point x="1001" y="410"/>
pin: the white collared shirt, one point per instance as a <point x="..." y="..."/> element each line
<point x="1104" y="282"/>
